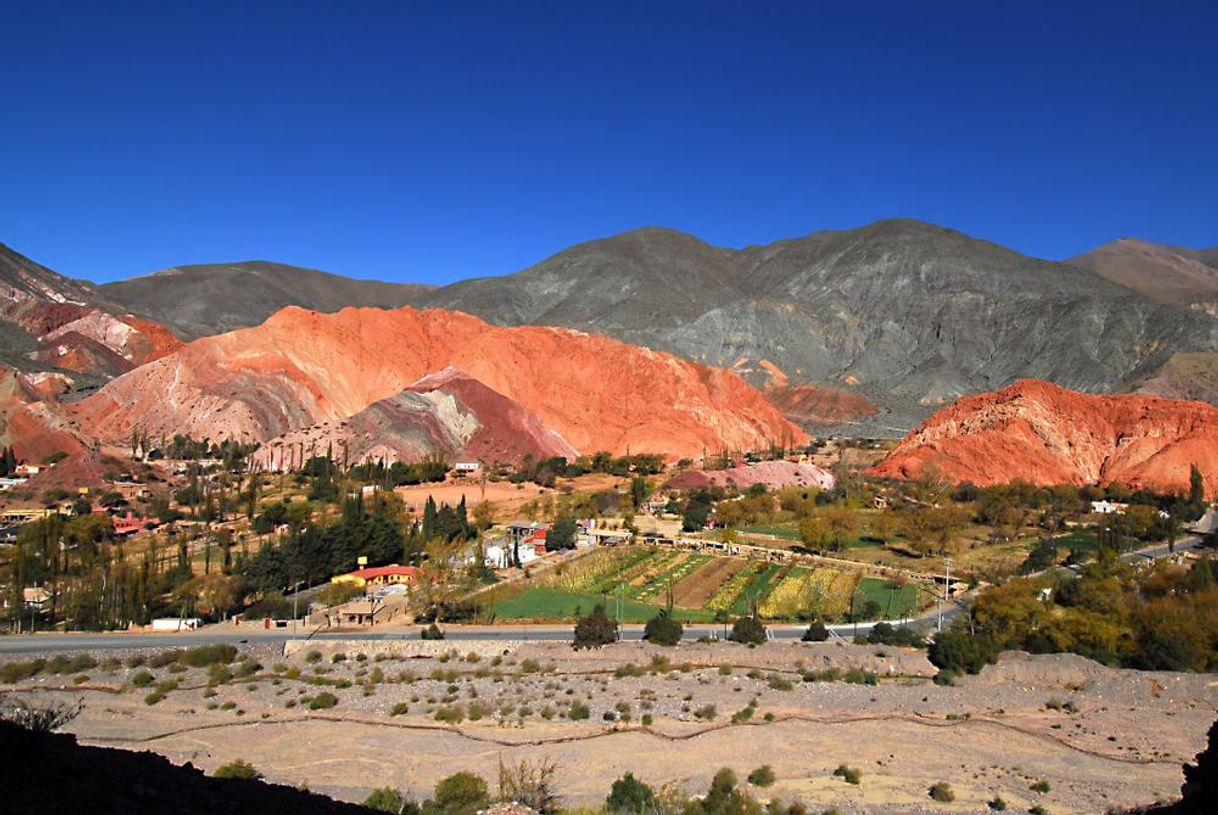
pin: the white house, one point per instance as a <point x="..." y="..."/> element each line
<point x="498" y="555"/>
<point x="1107" y="507"/>
<point x="467" y="467"/>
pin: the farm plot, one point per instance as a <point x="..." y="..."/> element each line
<point x="756" y="590"/>
<point x="677" y="571"/>
<point x="727" y="595"/>
<point x="589" y="573"/>
<point x="895" y="600"/>
<point x="789" y="598"/>
<point x="696" y="590"/>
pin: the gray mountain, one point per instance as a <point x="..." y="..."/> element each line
<point x="212" y="298"/>
<point x="907" y="313"/>
<point x="1169" y="274"/>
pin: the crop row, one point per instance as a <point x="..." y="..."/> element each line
<point x="677" y="572"/>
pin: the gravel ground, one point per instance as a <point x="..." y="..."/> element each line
<point x="410" y="713"/>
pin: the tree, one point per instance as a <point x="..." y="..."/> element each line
<point x="816" y="632"/>
<point x="562" y="534"/>
<point x="842" y="524"/>
<point x="813" y="533"/>
<point x="695" y="515"/>
<point x="462" y="793"/>
<point x="725" y="798"/>
<point x="531" y="784"/>
<point x="663" y="628"/>
<point x="1196" y="486"/>
<point x="748" y="630"/>
<point x="238" y="768"/>
<point x="594" y="630"/>
<point x="386" y="799"/>
<point x="629" y="795"/>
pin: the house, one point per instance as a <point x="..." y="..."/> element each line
<point x="499" y="555"/>
<point x="380" y="576"/>
<point x="466" y="467"/>
<point x="1107" y="507"/>
<point x="27" y="514"/>
<point x="9" y="483"/>
<point x="35" y="597"/>
<point x="28" y="469"/>
<point x="128" y="524"/>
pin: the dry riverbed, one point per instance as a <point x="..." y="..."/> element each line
<point x="407" y="714"/>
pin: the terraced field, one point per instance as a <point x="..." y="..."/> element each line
<point x="637" y="580"/>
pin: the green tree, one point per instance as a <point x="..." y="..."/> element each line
<point x="1196" y="486"/>
<point x="628" y="794"/>
<point x="562" y="534"/>
<point x="748" y="630"/>
<point x="663" y="628"/>
<point x="386" y="799"/>
<point x="238" y="768"/>
<point x="594" y="630"/>
<point x="462" y="793"/>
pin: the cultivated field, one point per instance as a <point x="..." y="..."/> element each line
<point x="635" y="581"/>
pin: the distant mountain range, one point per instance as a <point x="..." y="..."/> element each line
<point x="872" y="326"/>
<point x="196" y="301"/>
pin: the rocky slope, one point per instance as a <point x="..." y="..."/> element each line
<point x="301" y="367"/>
<point x="207" y="299"/>
<point x="48" y="321"/>
<point x="1046" y="434"/>
<point x="1169" y="274"/>
<point x="32" y="421"/>
<point x="915" y="314"/>
<point x="446" y="413"/>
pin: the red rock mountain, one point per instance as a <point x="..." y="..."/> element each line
<point x="446" y="413"/>
<point x="31" y="419"/>
<point x="1046" y="434"/>
<point x="300" y="368"/>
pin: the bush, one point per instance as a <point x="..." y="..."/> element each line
<point x="958" y="651"/>
<point x="13" y="672"/>
<point x="763" y="776"/>
<point x="594" y="630"/>
<point x="850" y="775"/>
<point x="748" y="631"/>
<point x="61" y="664"/>
<point x="578" y="711"/>
<point x="857" y="676"/>
<point x="202" y="656"/>
<point x="399" y="709"/>
<point x="706" y="713"/>
<point x="1041" y="786"/>
<point x="322" y="701"/>
<point x="462" y="793"/>
<point x="629" y="795"/>
<point x="154" y="697"/>
<point x="886" y="634"/>
<point x="663" y="629"/>
<point x="998" y="805"/>
<point x="432" y="632"/>
<point x="942" y="792"/>
<point x="313" y="656"/>
<point x="386" y="799"/>
<point x="142" y="679"/>
<point x="816" y="632"/>
<point x="239" y="768"/>
<point x="41" y="718"/>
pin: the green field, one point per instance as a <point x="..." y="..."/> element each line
<point x="893" y="604"/>
<point x="638" y="579"/>
<point x="1086" y="540"/>
<point x="555" y="604"/>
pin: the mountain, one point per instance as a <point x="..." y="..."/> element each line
<point x="1040" y="432"/>
<point x="302" y="367"/>
<point x="446" y="413"/>
<point x="52" y="322"/>
<point x="907" y="314"/>
<point x="201" y="300"/>
<point x="1168" y="274"/>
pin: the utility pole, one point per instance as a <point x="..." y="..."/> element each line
<point x="295" y="601"/>
<point x="947" y="582"/>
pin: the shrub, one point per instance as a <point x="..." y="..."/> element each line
<point x="748" y="631"/>
<point x="998" y="804"/>
<point x="883" y="633"/>
<point x="850" y="775"/>
<point x="218" y="674"/>
<point x="203" y="655"/>
<point x="1037" y="809"/>
<point x="595" y="630"/>
<point x="629" y="669"/>
<point x="777" y="682"/>
<point x="313" y="656"/>
<point x="432" y="632"/>
<point x="857" y="676"/>
<point x="13" y="672"/>
<point x="816" y="632"/>
<point x="629" y="795"/>
<point x="386" y="799"/>
<point x="399" y="709"/>
<point x="462" y="793"/>
<point x="323" y="700"/>
<point x="763" y="776"/>
<point x="154" y="697"/>
<point x="450" y="714"/>
<point x="578" y="711"/>
<point x="164" y="658"/>
<point x="663" y="629"/>
<point x="647" y="720"/>
<point x="142" y="678"/>
<point x="958" y="651"/>
<point x="41" y="718"/>
<point x="61" y="664"/>
<point x="1041" y="786"/>
<point x="238" y="768"/>
<point x="945" y="677"/>
<point x="942" y="792"/>
<point x="705" y="713"/>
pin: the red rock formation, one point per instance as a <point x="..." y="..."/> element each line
<point x="820" y="405"/>
<point x="1045" y="434"/>
<point x="446" y="413"/>
<point x="96" y="342"/>
<point x="31" y="421"/>
<point x="774" y="474"/>
<point x="301" y="367"/>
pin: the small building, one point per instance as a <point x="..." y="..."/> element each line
<point x="128" y="524"/>
<point x="466" y="467"/>
<point x="9" y="483"/>
<point x="27" y="514"/>
<point x="35" y="597"/>
<point x="380" y="576"/>
<point x="1107" y="507"/>
<point x="28" y="469"/>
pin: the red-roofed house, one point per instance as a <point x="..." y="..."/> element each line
<point x="380" y="576"/>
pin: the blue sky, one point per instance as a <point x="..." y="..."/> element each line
<point x="433" y="142"/>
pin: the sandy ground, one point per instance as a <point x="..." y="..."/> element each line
<point x="995" y="734"/>
<point x="505" y="497"/>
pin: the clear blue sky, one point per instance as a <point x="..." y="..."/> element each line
<point x="435" y="142"/>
